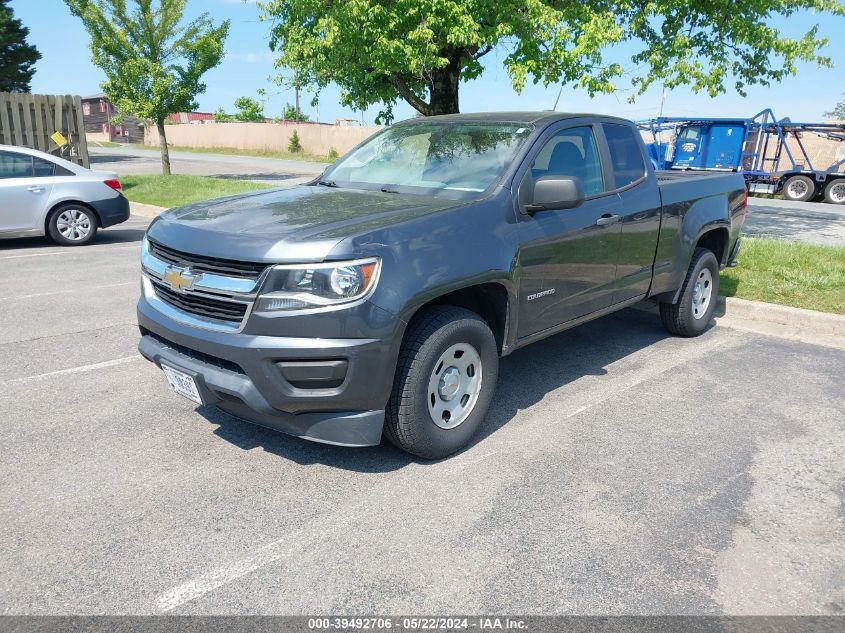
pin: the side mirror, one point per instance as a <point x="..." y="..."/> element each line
<point x="553" y="192"/>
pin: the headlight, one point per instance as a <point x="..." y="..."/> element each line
<point x="299" y="287"/>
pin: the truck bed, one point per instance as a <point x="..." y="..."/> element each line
<point x="687" y="186"/>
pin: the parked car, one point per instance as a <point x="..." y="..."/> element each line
<point x="379" y="298"/>
<point x="41" y="194"/>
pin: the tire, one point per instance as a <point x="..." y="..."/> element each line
<point x="799" y="188"/>
<point x="72" y="224"/>
<point x="425" y="387"/>
<point x="834" y="193"/>
<point x="691" y="315"/>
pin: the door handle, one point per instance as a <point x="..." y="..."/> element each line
<point x="35" y="189"/>
<point x="608" y="218"/>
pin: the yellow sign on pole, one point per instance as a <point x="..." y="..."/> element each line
<point x="59" y="139"/>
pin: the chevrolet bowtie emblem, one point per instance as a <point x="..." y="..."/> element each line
<point x="180" y="278"/>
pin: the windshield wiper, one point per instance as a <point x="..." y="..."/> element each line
<point x="388" y="189"/>
<point x="327" y="183"/>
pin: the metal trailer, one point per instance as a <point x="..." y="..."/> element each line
<point x="756" y="147"/>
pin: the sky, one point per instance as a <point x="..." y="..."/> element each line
<point x="66" y="68"/>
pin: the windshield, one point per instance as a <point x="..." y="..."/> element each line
<point x="463" y="158"/>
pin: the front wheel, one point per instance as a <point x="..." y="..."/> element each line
<point x="72" y="225"/>
<point x="799" y="188"/>
<point x="444" y="382"/>
<point x="834" y="193"/>
<point x="699" y="294"/>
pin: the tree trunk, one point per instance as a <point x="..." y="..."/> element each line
<point x="444" y="89"/>
<point x="165" y="154"/>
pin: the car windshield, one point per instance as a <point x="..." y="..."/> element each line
<point x="462" y="158"/>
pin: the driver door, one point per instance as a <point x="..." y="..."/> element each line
<point x="568" y="256"/>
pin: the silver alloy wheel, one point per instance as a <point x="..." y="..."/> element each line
<point x="454" y="385"/>
<point x="702" y="292"/>
<point x="837" y="192"/>
<point x="74" y="224"/>
<point x="797" y="189"/>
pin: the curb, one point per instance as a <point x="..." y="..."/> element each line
<point x="807" y="326"/>
<point x="822" y="323"/>
<point x="145" y="210"/>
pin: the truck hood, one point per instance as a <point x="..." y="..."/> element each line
<point x="299" y="224"/>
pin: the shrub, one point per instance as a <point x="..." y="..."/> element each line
<point x="332" y="155"/>
<point x="293" y="145"/>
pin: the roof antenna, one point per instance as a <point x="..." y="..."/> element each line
<point x="554" y="107"/>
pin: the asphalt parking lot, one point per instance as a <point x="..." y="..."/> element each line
<point x="620" y="471"/>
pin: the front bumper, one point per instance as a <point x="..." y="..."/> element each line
<point x="331" y="390"/>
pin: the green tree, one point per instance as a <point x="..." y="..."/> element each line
<point x="152" y="60"/>
<point x="294" y="145"/>
<point x="290" y="114"/>
<point x="17" y="58"/>
<point x="838" y="111"/>
<point x="248" y="110"/>
<point x="221" y="116"/>
<point x="380" y="51"/>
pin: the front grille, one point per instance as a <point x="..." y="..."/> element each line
<point x="201" y="305"/>
<point x="203" y="264"/>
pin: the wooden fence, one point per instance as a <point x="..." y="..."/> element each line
<point x="28" y="120"/>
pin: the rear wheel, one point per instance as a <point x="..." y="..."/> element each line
<point x="72" y="225"/>
<point x="444" y="382"/>
<point x="834" y="193"/>
<point x="799" y="188"/>
<point x="699" y="294"/>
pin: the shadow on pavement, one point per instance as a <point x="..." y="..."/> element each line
<point x="257" y="176"/>
<point x="823" y="225"/>
<point x="96" y="159"/>
<point x="525" y="377"/>
<point x="115" y="235"/>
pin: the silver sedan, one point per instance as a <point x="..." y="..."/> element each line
<point x="41" y="194"/>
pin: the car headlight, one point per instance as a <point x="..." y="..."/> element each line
<point x="300" y="287"/>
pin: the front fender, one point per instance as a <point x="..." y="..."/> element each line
<point x="434" y="255"/>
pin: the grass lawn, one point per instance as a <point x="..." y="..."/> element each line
<point x="788" y="273"/>
<point x="176" y="190"/>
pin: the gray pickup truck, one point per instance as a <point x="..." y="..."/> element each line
<point x="378" y="299"/>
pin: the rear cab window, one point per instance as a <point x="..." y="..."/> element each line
<point x="626" y="157"/>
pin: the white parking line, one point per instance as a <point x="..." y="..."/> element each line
<point x="76" y="251"/>
<point x="75" y="370"/>
<point x="201" y="585"/>
<point x="32" y="255"/>
<point x="63" y="292"/>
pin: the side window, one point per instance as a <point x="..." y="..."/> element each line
<point x="691" y="134"/>
<point x="13" y="165"/>
<point x="43" y="168"/>
<point x="625" y="154"/>
<point x="573" y="153"/>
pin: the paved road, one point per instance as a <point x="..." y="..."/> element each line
<point x="620" y="471"/>
<point x="812" y="222"/>
<point x="126" y="161"/>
